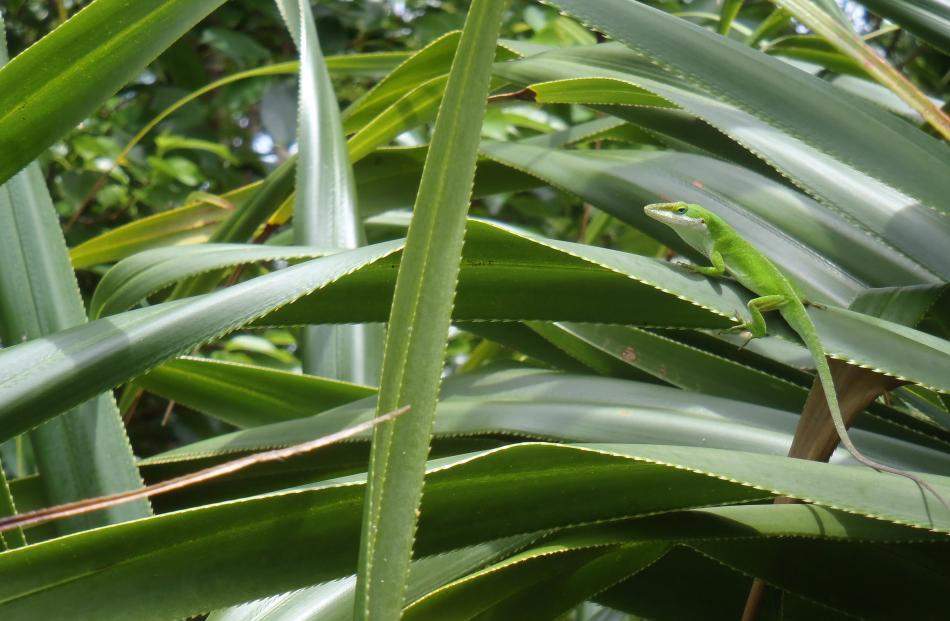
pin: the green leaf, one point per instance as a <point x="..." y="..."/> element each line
<point x="42" y="377"/>
<point x="928" y="19"/>
<point x="822" y="251"/>
<point x="600" y="91"/>
<point x="816" y="50"/>
<point x="432" y="61"/>
<point x="846" y="568"/>
<point x="839" y="33"/>
<point x="278" y="69"/>
<point x="904" y="305"/>
<point x="179" y="169"/>
<point x="333" y="601"/>
<point x="371" y="64"/>
<point x="406" y="98"/>
<point x="388" y="178"/>
<point x="568" y="408"/>
<point x="519" y="337"/>
<point x="680" y="131"/>
<point x="877" y="94"/>
<point x="678" y="364"/>
<point x="839" y="329"/>
<point x="60" y="80"/>
<point x="84" y="452"/>
<point x="505" y="275"/>
<point x="416" y="107"/>
<point x="540" y="583"/>
<point x="845" y="572"/>
<point x="698" y="361"/>
<point x="730" y="9"/>
<point x="325" y="211"/>
<point x="419" y="321"/>
<point x="547" y="280"/>
<point x="412" y="109"/>
<point x="247" y="396"/>
<point x="192" y="223"/>
<point x="477" y="498"/>
<point x="134" y="279"/>
<point x="15" y="537"/>
<point x="171" y="142"/>
<point x="561" y="281"/>
<point x="241" y="224"/>
<point x="826" y="141"/>
<point x="907" y="505"/>
<point x="349" y="64"/>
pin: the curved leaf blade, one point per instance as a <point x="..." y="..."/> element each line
<point x="824" y="252"/>
<point x="565" y="408"/>
<point x="794" y="128"/>
<point x="134" y="279"/>
<point x="84" y="452"/>
<point x="779" y="94"/>
<point x="469" y="500"/>
<point x="843" y="37"/>
<point x="420" y="318"/>
<point x="60" y="80"/>
<point x="192" y="223"/>
<point x="42" y="377"/>
<point x="245" y="395"/>
<point x="928" y="19"/>
<point x="325" y="210"/>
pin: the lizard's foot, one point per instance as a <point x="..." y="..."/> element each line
<point x="748" y="339"/>
<point x="684" y="264"/>
<point x="741" y="326"/>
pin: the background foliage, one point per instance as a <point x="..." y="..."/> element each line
<point x="598" y="445"/>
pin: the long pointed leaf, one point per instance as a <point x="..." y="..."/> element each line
<point x="141" y="275"/>
<point x="480" y="497"/>
<point x="568" y="408"/>
<point x="42" y="377"/>
<point x="845" y="39"/>
<point x="245" y="395"/>
<point x="419" y="322"/>
<point x="84" y="452"/>
<point x="60" y="80"/>
<point x="759" y="98"/>
<point x="928" y="19"/>
<point x="333" y="601"/>
<point x="325" y="211"/>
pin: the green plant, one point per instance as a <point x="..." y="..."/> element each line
<point x="593" y="445"/>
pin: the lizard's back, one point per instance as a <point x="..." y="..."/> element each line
<point x="751" y="268"/>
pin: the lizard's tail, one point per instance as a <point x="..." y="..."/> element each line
<point x="831" y="396"/>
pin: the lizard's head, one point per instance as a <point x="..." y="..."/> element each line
<point x="678" y="215"/>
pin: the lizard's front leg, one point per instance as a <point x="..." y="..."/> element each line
<point x="716" y="270"/>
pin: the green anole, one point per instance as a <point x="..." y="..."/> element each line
<point x="729" y="252"/>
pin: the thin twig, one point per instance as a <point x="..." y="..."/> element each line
<point x="168" y="412"/>
<point x="41" y="516"/>
<point x="61" y="12"/>
<point x="260" y="239"/>
<point x="86" y="200"/>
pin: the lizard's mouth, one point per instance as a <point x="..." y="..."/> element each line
<point x="667" y="214"/>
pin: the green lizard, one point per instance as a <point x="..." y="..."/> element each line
<point x="729" y="252"/>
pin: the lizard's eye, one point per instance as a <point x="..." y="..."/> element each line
<point x="681" y="210"/>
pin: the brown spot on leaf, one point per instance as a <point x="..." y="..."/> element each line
<point x="629" y="354"/>
<point x="526" y="94"/>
